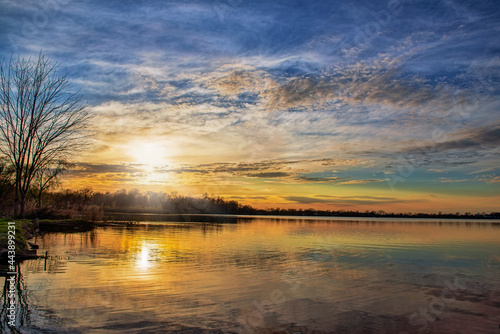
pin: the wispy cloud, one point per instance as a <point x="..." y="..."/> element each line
<point x="351" y="200"/>
<point x="464" y="147"/>
<point x="291" y="171"/>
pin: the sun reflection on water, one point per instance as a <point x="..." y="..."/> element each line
<point x="143" y="261"/>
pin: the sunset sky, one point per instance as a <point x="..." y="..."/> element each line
<point x="356" y="105"/>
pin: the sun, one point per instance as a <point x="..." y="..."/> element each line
<point x="149" y="154"/>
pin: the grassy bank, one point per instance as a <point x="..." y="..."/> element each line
<point x="24" y="231"/>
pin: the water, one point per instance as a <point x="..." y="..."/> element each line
<point x="265" y="275"/>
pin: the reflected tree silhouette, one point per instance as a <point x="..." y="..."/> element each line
<point x="51" y="264"/>
<point x="22" y="306"/>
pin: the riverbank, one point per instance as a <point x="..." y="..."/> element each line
<point x="26" y="229"/>
<point x="22" y="231"/>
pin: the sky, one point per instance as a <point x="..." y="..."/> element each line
<point x="341" y="105"/>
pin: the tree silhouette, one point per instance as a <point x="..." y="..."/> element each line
<point x="46" y="178"/>
<point x="41" y="122"/>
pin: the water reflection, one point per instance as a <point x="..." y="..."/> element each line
<point x="277" y="273"/>
<point x="143" y="259"/>
<point x="22" y="308"/>
<point x="48" y="263"/>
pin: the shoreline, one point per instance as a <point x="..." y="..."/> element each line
<point x="27" y="229"/>
<point x="313" y="215"/>
<point x="135" y="216"/>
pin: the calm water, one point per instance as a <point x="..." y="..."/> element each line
<point x="264" y="275"/>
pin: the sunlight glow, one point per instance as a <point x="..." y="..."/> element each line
<point x="149" y="154"/>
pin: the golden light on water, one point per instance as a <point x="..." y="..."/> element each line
<point x="144" y="258"/>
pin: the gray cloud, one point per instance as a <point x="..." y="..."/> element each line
<point x="480" y="138"/>
<point x="300" y="93"/>
<point x="351" y="201"/>
<point x="88" y="168"/>
<point x="248" y="197"/>
<point x="295" y="171"/>
<point x="467" y="147"/>
<point x="269" y="175"/>
<point x="269" y="168"/>
<point x="308" y="179"/>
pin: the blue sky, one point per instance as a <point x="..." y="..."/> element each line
<point x="332" y="104"/>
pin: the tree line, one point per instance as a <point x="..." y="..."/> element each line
<point x="71" y="203"/>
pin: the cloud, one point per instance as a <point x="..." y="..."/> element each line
<point x="280" y="171"/>
<point x="488" y="169"/>
<point x="274" y="165"/>
<point x="349" y="197"/>
<point x="327" y="162"/>
<point x="486" y="179"/>
<point x="89" y="168"/>
<point x="366" y="86"/>
<point x="269" y="175"/>
<point x="464" y="147"/>
<point x="479" y="138"/>
<point x="299" y="93"/>
<point x="301" y="170"/>
<point x="238" y="79"/>
<point x="447" y="180"/>
<point x="352" y="201"/>
<point x="492" y="179"/>
<point x="390" y="88"/>
<point x="362" y="181"/>
<point x="315" y="179"/>
<point x="249" y="197"/>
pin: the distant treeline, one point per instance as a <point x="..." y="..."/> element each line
<point x="134" y="201"/>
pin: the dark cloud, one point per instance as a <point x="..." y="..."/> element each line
<point x="361" y="181"/>
<point x="283" y="169"/>
<point x="248" y="197"/>
<point x="351" y="201"/>
<point x="269" y="175"/>
<point x="300" y="93"/>
<point x="468" y="147"/>
<point x="87" y="168"/>
<point x="480" y="138"/>
<point x="308" y="179"/>
<point x="379" y="198"/>
<point x="366" y="84"/>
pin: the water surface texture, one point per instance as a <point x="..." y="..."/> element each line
<point x="268" y="274"/>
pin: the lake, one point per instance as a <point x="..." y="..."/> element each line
<point x="207" y="274"/>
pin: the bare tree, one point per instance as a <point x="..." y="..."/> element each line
<point x="40" y="120"/>
<point x="6" y="178"/>
<point x="48" y="177"/>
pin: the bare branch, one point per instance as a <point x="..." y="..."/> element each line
<point x="41" y="121"/>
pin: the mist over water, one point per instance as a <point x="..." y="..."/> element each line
<point x="268" y="274"/>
